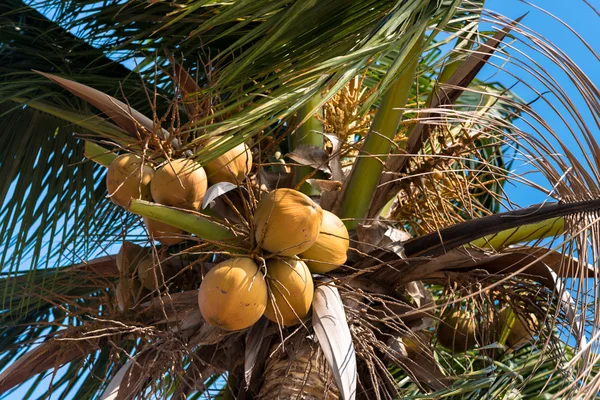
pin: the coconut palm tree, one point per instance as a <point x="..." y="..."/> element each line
<point x="377" y="111"/>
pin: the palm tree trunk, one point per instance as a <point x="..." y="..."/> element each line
<point x="297" y="370"/>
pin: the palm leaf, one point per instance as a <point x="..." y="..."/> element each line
<point x="270" y="59"/>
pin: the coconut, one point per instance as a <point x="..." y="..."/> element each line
<point x="128" y="179"/>
<point x="151" y="274"/>
<point x="167" y="235"/>
<point x="329" y="251"/>
<point x="522" y="331"/>
<point x="402" y="347"/>
<point x="287" y="222"/>
<point x="126" y="293"/>
<point x="291" y="290"/>
<point x="180" y="183"/>
<point x="129" y="255"/>
<point x="233" y="294"/>
<point x="231" y="166"/>
<point x="457" y="331"/>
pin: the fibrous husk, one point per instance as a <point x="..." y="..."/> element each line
<point x="330" y="250"/>
<point x="287" y="222"/>
<point x="231" y="166"/>
<point x="233" y="294"/>
<point x="128" y="178"/>
<point x="180" y="183"/>
<point x="165" y="234"/>
<point x="291" y="290"/>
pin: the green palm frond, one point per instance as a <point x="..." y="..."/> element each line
<point x="51" y="202"/>
<point x="520" y="376"/>
<point x="237" y="36"/>
<point x="51" y="213"/>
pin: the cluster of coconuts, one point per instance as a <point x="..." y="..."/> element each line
<point x="137" y="274"/>
<point x="457" y="330"/>
<point x="178" y="183"/>
<point x="298" y="238"/>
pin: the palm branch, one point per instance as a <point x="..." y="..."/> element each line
<point x="385" y="128"/>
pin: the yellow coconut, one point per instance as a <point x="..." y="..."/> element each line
<point x="233" y="294"/>
<point x="291" y="290"/>
<point x="457" y="331"/>
<point x="129" y="255"/>
<point x="128" y="179"/>
<point x="287" y="222"/>
<point x="231" y="166"/>
<point x="521" y="331"/>
<point x="165" y="234"/>
<point x="329" y="251"/>
<point x="181" y="183"/>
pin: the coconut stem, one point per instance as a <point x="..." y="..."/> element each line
<point x="98" y="154"/>
<point x="187" y="220"/>
<point x="364" y="178"/>
<point x="308" y="133"/>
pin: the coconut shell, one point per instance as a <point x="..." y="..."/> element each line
<point x="291" y="290"/>
<point x="457" y="331"/>
<point x="167" y="235"/>
<point x="329" y="251"/>
<point x="287" y="222"/>
<point x="232" y="166"/>
<point x="128" y="179"/>
<point x="181" y="183"/>
<point x="129" y="255"/>
<point x="233" y="294"/>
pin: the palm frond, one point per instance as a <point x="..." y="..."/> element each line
<point x="262" y="61"/>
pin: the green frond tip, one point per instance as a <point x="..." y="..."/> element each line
<point x="92" y="123"/>
<point x="363" y="180"/>
<point x="189" y="221"/>
<point x="541" y="230"/>
<point x="98" y="154"/>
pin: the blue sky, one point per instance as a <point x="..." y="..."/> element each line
<point x="585" y="22"/>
